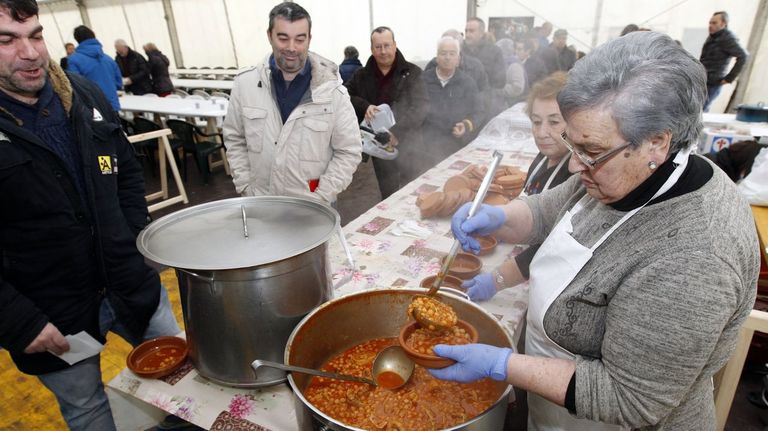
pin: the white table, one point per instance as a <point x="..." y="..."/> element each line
<point x="172" y="106"/>
<point x="230" y="72"/>
<point x="729" y="122"/>
<point x="211" y="110"/>
<point x="202" y="83"/>
<point x="165" y="153"/>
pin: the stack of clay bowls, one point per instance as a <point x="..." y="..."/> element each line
<point x="462" y="188"/>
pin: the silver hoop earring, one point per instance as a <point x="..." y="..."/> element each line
<point x="652" y="165"/>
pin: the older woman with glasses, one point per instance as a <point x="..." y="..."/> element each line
<point x="649" y="259"/>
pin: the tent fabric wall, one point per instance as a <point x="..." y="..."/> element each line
<point x="204" y="26"/>
<point x="205" y="41"/>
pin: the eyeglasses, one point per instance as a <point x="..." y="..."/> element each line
<point x="590" y="162"/>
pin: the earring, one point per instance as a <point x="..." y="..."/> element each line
<point x="652" y="165"/>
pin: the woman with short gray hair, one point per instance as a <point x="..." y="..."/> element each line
<point x="639" y="289"/>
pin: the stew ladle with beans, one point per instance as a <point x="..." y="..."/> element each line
<point x="391" y="369"/>
<point x="429" y="311"/>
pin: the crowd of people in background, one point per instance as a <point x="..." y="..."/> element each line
<point x="129" y="71"/>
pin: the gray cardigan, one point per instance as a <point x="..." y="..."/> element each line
<point x="657" y="310"/>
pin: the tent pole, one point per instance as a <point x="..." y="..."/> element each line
<point x="83" y="13"/>
<point x="173" y="34"/>
<point x="753" y="46"/>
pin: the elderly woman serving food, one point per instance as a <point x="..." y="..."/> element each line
<point x="649" y="257"/>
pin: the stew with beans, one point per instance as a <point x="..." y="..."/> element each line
<point x="423" y="404"/>
<point x="423" y="340"/>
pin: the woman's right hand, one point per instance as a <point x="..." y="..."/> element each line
<point x="487" y="219"/>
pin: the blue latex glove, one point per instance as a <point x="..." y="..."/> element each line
<point x="473" y="362"/>
<point x="480" y="288"/>
<point x="487" y="219"/>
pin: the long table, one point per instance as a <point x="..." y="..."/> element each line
<point x="202" y="83"/>
<point x="383" y="260"/>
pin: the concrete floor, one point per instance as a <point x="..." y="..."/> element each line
<point x="26" y="405"/>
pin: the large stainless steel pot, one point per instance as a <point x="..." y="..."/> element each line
<point x="242" y="295"/>
<point x="355" y="318"/>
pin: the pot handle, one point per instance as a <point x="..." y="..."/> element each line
<point x="208" y="280"/>
<point x="350" y="260"/>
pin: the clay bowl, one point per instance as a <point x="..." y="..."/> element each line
<point x="465" y="266"/>
<point x="487" y="244"/>
<point x="448" y="281"/>
<point x="157" y="357"/>
<point x="430" y="203"/>
<point x="456" y="183"/>
<point x="431" y="361"/>
<point x="494" y="198"/>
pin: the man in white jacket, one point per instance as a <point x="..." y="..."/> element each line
<point x="291" y="129"/>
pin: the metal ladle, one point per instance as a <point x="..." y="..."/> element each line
<point x="391" y="369"/>
<point x="429" y="299"/>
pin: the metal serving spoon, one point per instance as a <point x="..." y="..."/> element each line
<point x="429" y="300"/>
<point x="391" y="369"/>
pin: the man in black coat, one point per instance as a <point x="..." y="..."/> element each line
<point x="135" y="69"/>
<point x="716" y="53"/>
<point x="388" y="78"/>
<point x="158" y="68"/>
<point x="455" y="106"/>
<point x="71" y="205"/>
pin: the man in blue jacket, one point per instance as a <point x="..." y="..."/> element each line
<point x="71" y="205"/>
<point x="90" y="61"/>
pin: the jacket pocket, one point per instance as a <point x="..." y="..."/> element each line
<point x="11" y="159"/>
<point x="316" y="142"/>
<point x="254" y="122"/>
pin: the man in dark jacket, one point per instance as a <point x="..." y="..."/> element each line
<point x="558" y="56"/>
<point x="71" y="205"/>
<point x="388" y="78"/>
<point x="350" y="64"/>
<point x="455" y="106"/>
<point x="158" y="69"/>
<point x="134" y="68"/>
<point x="716" y="53"/>
<point x="90" y="61"/>
<point x="477" y="44"/>
<point x="469" y="65"/>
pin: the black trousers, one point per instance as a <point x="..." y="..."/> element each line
<point x="387" y="175"/>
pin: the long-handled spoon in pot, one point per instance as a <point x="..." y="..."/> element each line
<point x="426" y="309"/>
<point x="391" y="369"/>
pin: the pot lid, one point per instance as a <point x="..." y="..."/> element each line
<point x="760" y="106"/>
<point x="211" y="236"/>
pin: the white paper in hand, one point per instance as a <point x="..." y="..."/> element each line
<point x="81" y="346"/>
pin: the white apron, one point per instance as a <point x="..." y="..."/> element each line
<point x="554" y="266"/>
<point x="551" y="177"/>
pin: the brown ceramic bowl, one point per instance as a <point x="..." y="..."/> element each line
<point x="487" y="244"/>
<point x="456" y="183"/>
<point x="430" y="203"/>
<point x="448" y="281"/>
<point x="431" y="361"/>
<point x="465" y="266"/>
<point x="494" y="198"/>
<point x="157" y="357"/>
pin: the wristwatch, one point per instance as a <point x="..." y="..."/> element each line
<point x="499" y="279"/>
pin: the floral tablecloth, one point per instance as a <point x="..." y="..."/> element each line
<point x="382" y="260"/>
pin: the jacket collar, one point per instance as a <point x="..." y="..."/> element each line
<point x="401" y="65"/>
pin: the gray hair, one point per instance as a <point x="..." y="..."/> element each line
<point x="448" y="39"/>
<point x="649" y="84"/>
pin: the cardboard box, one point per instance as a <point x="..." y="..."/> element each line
<point x="714" y="140"/>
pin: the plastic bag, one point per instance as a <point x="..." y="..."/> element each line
<point x="755" y="185"/>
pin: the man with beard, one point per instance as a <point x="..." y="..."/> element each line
<point x="291" y="129"/>
<point x="71" y="205"/>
